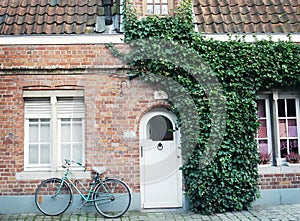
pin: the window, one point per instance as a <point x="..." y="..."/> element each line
<point x="160" y="128"/>
<point x="283" y="111"/>
<point x="263" y="136"/>
<point x="158" y="7"/>
<point x="287" y="121"/>
<point x="54" y="128"/>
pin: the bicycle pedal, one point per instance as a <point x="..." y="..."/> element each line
<point x="88" y="204"/>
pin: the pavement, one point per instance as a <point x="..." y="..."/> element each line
<point x="262" y="213"/>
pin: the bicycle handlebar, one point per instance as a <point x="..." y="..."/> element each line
<point x="69" y="162"/>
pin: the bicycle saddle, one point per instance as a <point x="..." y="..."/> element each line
<point x="99" y="170"/>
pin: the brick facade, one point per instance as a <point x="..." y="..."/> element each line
<point x="109" y="115"/>
<point x="279" y="181"/>
<point x="57" y="56"/>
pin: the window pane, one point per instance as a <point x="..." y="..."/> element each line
<point x="33" y="133"/>
<point x="281" y="108"/>
<point x="291" y="108"/>
<point x="262" y="132"/>
<point x="294" y="146"/>
<point x="156" y="9"/>
<point x="164" y="9"/>
<point x="65" y="132"/>
<point x="150" y="9"/>
<point x="77" y="152"/>
<point x="33" y="154"/>
<point x="65" y="152"/>
<point x="45" y="132"/>
<point x="292" y="126"/>
<point x="45" y="120"/>
<point x="45" y="153"/>
<point x="283" y="148"/>
<point x="263" y="146"/>
<point x="77" y="133"/>
<point x="160" y="128"/>
<point x="282" y="128"/>
<point x="261" y="108"/>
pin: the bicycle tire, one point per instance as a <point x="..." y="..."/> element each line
<point x="112" y="198"/>
<point x="49" y="201"/>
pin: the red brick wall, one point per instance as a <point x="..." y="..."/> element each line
<point x="108" y="115"/>
<point x="279" y="181"/>
<point x="57" y="56"/>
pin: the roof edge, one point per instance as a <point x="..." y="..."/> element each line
<point x="253" y="37"/>
<point x="60" y="39"/>
<point x="118" y="38"/>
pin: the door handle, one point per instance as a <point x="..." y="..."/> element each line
<point x="160" y="146"/>
<point x="141" y="151"/>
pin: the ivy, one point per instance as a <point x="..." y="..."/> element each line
<point x="229" y="180"/>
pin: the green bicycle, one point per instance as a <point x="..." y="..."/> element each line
<point x="110" y="196"/>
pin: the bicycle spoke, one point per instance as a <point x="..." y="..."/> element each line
<point x="112" y="198"/>
<point x="53" y="197"/>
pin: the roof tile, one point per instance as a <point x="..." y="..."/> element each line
<point x="212" y="16"/>
<point x="248" y="16"/>
<point x="49" y="16"/>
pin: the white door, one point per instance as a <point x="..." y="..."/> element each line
<point x="161" y="179"/>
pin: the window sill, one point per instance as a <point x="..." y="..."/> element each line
<point x="41" y="175"/>
<point x="270" y="169"/>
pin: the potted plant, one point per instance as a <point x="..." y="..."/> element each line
<point x="292" y="157"/>
<point x="264" y="157"/>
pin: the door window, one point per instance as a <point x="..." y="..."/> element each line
<point x="160" y="128"/>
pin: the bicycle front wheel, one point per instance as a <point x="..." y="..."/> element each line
<point x="53" y="197"/>
<point x="112" y="198"/>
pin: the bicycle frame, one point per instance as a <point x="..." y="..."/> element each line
<point x="87" y="198"/>
<point x="89" y="191"/>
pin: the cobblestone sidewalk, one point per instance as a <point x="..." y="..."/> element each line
<point x="270" y="213"/>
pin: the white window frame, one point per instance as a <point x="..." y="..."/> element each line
<point x="170" y="5"/>
<point x="285" y="96"/>
<point x="55" y="152"/>
<point x="275" y="134"/>
<point x="268" y="124"/>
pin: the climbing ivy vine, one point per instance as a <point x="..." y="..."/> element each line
<point x="229" y="181"/>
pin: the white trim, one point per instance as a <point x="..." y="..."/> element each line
<point x="61" y="39"/>
<point x="268" y="123"/>
<point x="119" y="38"/>
<point x="50" y="93"/>
<point x="41" y="175"/>
<point x="253" y="37"/>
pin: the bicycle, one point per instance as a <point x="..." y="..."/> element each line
<point x="110" y="196"/>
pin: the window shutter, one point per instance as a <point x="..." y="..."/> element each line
<point x="70" y="107"/>
<point x="37" y="107"/>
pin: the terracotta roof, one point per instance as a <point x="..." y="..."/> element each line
<point x="18" y="17"/>
<point x="247" y="16"/>
<point x="49" y="16"/>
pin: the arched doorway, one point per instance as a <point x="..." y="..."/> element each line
<point x="160" y="157"/>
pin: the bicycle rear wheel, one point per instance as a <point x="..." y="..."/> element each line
<point x="112" y="198"/>
<point x="53" y="197"/>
